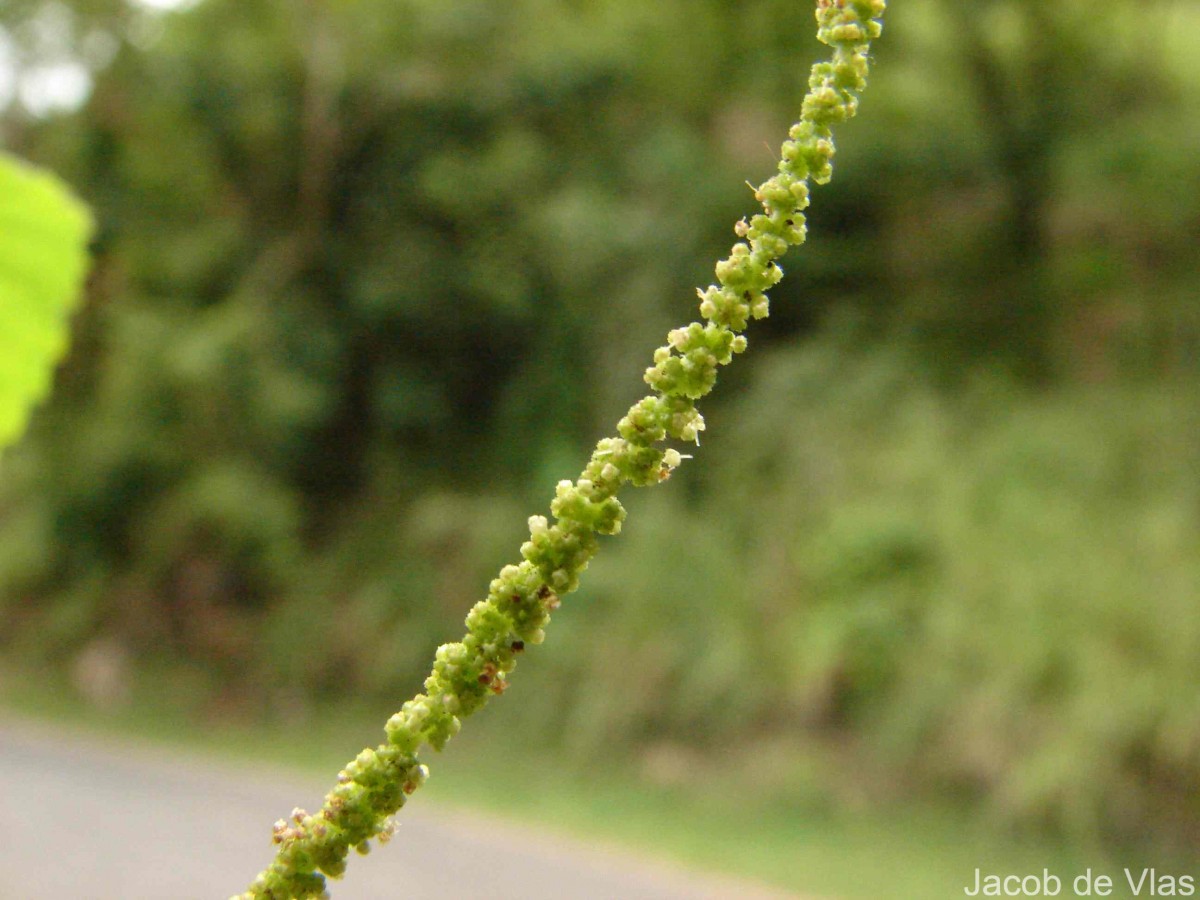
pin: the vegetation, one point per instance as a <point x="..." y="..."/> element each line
<point x="962" y="457"/>
<point x="520" y="599"/>
<point x="42" y="235"/>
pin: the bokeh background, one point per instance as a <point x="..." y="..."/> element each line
<point x="370" y="276"/>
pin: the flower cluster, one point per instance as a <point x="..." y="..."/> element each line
<point x="520" y="600"/>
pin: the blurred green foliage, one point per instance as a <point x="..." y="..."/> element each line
<point x="948" y="523"/>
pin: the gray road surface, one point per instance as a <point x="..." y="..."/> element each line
<point x="87" y="819"/>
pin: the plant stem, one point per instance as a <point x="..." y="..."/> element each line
<point x="468" y="673"/>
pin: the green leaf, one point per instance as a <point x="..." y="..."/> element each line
<point x="43" y="257"/>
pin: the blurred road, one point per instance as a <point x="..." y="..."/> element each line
<point x="90" y="819"/>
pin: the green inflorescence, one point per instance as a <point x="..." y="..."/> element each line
<point x="520" y="600"/>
